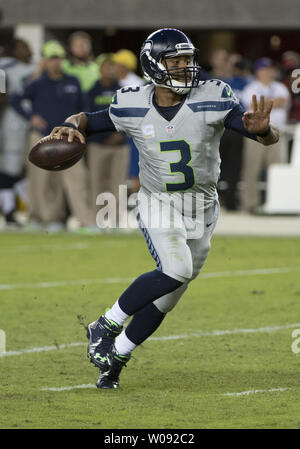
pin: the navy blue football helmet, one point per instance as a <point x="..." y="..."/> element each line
<point x="169" y="43"/>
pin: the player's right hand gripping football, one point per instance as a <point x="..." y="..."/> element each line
<point x="58" y="131"/>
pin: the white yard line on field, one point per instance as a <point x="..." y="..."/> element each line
<point x="225" y="332"/>
<point x="220" y="274"/>
<point x="214" y="333"/>
<point x="74" y="387"/>
<point x="41" y="349"/>
<point x="68" y="283"/>
<point x="70" y="247"/>
<point x="246" y="393"/>
<point x="52" y="248"/>
<point x="259" y="271"/>
<point x="241" y="393"/>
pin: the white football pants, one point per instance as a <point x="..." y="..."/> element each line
<point x="178" y="252"/>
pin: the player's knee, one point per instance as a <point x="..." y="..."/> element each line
<point x="183" y="272"/>
<point x="165" y="308"/>
<point x="200" y="260"/>
<point x="167" y="303"/>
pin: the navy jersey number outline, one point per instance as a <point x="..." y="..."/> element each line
<point x="130" y="89"/>
<point x="181" y="166"/>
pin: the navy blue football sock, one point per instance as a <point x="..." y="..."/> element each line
<point x="146" y="289"/>
<point x="144" y="323"/>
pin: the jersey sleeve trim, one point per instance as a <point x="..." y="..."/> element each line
<point x="212" y="106"/>
<point x="129" y="112"/>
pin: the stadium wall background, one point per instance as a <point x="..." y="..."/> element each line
<point x="256" y="28"/>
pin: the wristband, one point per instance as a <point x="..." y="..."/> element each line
<point x="69" y="125"/>
<point x="265" y="133"/>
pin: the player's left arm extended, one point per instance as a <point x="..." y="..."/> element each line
<point x="256" y="124"/>
<point x="84" y="124"/>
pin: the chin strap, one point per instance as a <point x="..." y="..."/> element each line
<point x="180" y="90"/>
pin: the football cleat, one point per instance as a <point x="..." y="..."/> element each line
<point x="109" y="379"/>
<point x="102" y="334"/>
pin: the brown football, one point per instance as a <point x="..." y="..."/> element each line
<point x="54" y="154"/>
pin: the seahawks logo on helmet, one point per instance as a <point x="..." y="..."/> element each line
<point x="169" y="43"/>
<point x="147" y="47"/>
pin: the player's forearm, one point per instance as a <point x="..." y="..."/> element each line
<point x="92" y="122"/>
<point x="99" y="121"/>
<point x="79" y="120"/>
<point x="270" y="138"/>
<point x="84" y="124"/>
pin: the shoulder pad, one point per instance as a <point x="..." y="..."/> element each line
<point x="214" y="89"/>
<point x="131" y="102"/>
<point x="131" y="96"/>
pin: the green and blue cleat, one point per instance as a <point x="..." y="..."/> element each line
<point x="109" y="377"/>
<point x="101" y="334"/>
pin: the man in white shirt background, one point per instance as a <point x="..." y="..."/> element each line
<point x="254" y="158"/>
<point x="14" y="129"/>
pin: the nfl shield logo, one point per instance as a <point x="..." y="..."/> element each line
<point x="170" y="129"/>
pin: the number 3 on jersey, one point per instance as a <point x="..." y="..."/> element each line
<point x="180" y="166"/>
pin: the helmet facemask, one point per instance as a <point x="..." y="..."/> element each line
<point x="180" y="79"/>
<point x="158" y="49"/>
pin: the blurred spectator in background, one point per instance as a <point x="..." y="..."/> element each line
<point x="231" y="144"/>
<point x="256" y="158"/>
<point x="53" y="96"/>
<point x="13" y="128"/>
<point x="290" y="61"/>
<point x="108" y="152"/>
<point x="241" y="76"/>
<point x="81" y="62"/>
<point x="220" y="66"/>
<point x="126" y="65"/>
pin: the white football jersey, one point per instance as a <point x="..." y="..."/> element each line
<point x="16" y="73"/>
<point x="181" y="155"/>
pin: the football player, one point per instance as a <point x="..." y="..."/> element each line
<point x="176" y="122"/>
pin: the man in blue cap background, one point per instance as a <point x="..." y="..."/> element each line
<point x="53" y="96"/>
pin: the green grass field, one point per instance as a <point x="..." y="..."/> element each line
<point x="50" y="285"/>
